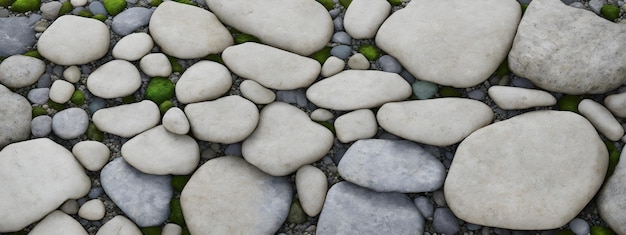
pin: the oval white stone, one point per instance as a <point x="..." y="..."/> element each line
<point x="92" y="154"/>
<point x="226" y="120"/>
<point x="156" y="65"/>
<point x="519" y="98"/>
<point x="129" y="119"/>
<point x="358" y="124"/>
<point x="358" y="61"/>
<point x="256" y="93"/>
<point x="19" y="71"/>
<point x="364" y="17"/>
<point x="205" y="80"/>
<point x="92" y="210"/>
<point x="72" y="40"/>
<point x="133" y="46"/>
<point x="72" y="74"/>
<point x="119" y="225"/>
<point x="61" y="91"/>
<point x="602" y="119"/>
<point x="321" y="115"/>
<point x="332" y="66"/>
<point x="311" y="185"/>
<point x="115" y="79"/>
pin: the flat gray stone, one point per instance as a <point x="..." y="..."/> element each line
<point x="569" y="50"/>
<point x="70" y="123"/>
<point x="128" y="120"/>
<point x="391" y="166"/>
<point x="352" y="210"/>
<point x="612" y="198"/>
<point x="15" y="118"/>
<point x="131" y="19"/>
<point x="119" y="225"/>
<point x="16" y="35"/>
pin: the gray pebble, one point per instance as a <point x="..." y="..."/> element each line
<point x="297" y="97"/>
<point x="132" y="1"/>
<point x="424" y="206"/>
<point x="41" y="126"/>
<point x="17" y="35"/>
<point x="389" y="64"/>
<point x="50" y="10"/>
<point x="85" y="69"/>
<point x="96" y="104"/>
<point x="342" y="38"/>
<point x="338" y="23"/>
<point x="579" y="226"/>
<point x="424" y="90"/>
<point x="445" y="222"/>
<point x="32" y="19"/>
<point x="334" y="12"/>
<point x="596" y="5"/>
<point x="341" y="51"/>
<point x="96" y="7"/>
<point x="233" y="150"/>
<point x="95" y="192"/>
<point x="58" y="70"/>
<point x="472" y="227"/>
<point x="476" y="95"/>
<point x="577" y="5"/>
<point x="39" y="95"/>
<point x="70" y="123"/>
<point x="44" y="81"/>
<point x="4" y="12"/>
<point x="407" y="76"/>
<point x="439" y="198"/>
<point x="77" y="10"/>
<point x="130" y="20"/>
<point x="522" y="82"/>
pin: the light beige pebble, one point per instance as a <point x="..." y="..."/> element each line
<point x="70" y="207"/>
<point x="205" y="80"/>
<point x="133" y="46"/>
<point x="311" y="185"/>
<point x="72" y="40"/>
<point x="256" y="93"/>
<point x="519" y="98"/>
<point x="115" y="79"/>
<point x="72" y="74"/>
<point x="226" y="120"/>
<point x="61" y="91"/>
<point x="41" y="26"/>
<point x="333" y="65"/>
<point x="119" y="225"/>
<point x="358" y="61"/>
<point x="58" y="223"/>
<point x="602" y="119"/>
<point x="92" y="210"/>
<point x="156" y="65"/>
<point x="128" y="120"/>
<point x="175" y="121"/>
<point x="172" y="229"/>
<point x="78" y="3"/>
<point x="321" y="115"/>
<point x="93" y="155"/>
<point x="364" y="17"/>
<point x="617" y="104"/>
<point x="358" y="124"/>
<point x="19" y="71"/>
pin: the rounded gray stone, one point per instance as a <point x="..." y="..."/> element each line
<point x="445" y="222"/>
<point x="39" y="95"/>
<point x="131" y="19"/>
<point x="16" y="35"/>
<point x="41" y="126"/>
<point x="70" y="123"/>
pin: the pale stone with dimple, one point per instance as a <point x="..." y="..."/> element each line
<point x="321" y="115"/>
<point x="119" y="225"/>
<point x="69" y="207"/>
<point x="227" y="195"/>
<point x="602" y="119"/>
<point x="271" y="67"/>
<point x="92" y="210"/>
<point x="285" y="140"/>
<point x="535" y="171"/>
<point x="256" y="93"/>
<point x="227" y="120"/>
<point x="617" y="104"/>
<point x="358" y="89"/>
<point x="175" y="121"/>
<point x="73" y="40"/>
<point x="358" y="124"/>
<point x="364" y="17"/>
<point x="187" y="32"/>
<point x="91" y="154"/>
<point x="519" y="98"/>
<point x="299" y="26"/>
<point x="61" y="91"/>
<point x="133" y="46"/>
<point x="19" y="71"/>
<point x="569" y="50"/>
<point x="611" y="199"/>
<point x="156" y="65"/>
<point x="332" y="66"/>
<point x="58" y="223"/>
<point x="358" y="61"/>
<point x="432" y="45"/>
<point x="72" y="74"/>
<point x="37" y="176"/>
<point x="205" y="80"/>
<point x="439" y="122"/>
<point x="128" y="120"/>
<point x="311" y="185"/>
<point x="115" y="79"/>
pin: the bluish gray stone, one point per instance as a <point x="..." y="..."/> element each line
<point x="350" y="209"/>
<point x="391" y="166"/>
<point x="476" y="95"/>
<point x="50" y="10"/>
<point x="424" y="206"/>
<point x="44" y="81"/>
<point x="342" y="38"/>
<point x="41" y="126"/>
<point x="70" y="123"/>
<point x="130" y="20"/>
<point x="144" y="198"/>
<point x="522" y="82"/>
<point x="341" y="51"/>
<point x="16" y="34"/>
<point x="39" y="95"/>
<point x="233" y="150"/>
<point x="445" y="222"/>
<point x="96" y="104"/>
<point x="95" y="192"/>
<point x="389" y="64"/>
<point x="424" y="90"/>
<point x="338" y="23"/>
<point x="579" y="226"/>
<point x="297" y="97"/>
<point x="407" y="76"/>
<point x="334" y="13"/>
<point x="15" y="118"/>
<point x="96" y="7"/>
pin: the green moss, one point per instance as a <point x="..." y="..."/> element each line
<point x="33" y="53"/>
<point x="166" y="105"/>
<point x="328" y="4"/>
<point x="327" y="125"/>
<point x="155" y="230"/>
<point x="569" y="103"/>
<point x="523" y="6"/>
<point x="85" y="13"/>
<point x="155" y="3"/>
<point x="598" y="230"/>
<point x="503" y="69"/>
<point x="176" y="67"/>
<point x="78" y="98"/>
<point x="610" y="12"/>
<point x="100" y="17"/>
<point x="186" y="2"/>
<point x="22" y="6"/>
<point x="321" y="55"/>
<point x="66" y="7"/>
<point x="38" y="111"/>
<point x="114" y="7"/>
<point x="179" y="182"/>
<point x="243" y="38"/>
<point x="93" y="133"/>
<point x="176" y="212"/>
<point x="447" y="91"/>
<point x="160" y="89"/>
<point x="613" y="157"/>
<point x="345" y="3"/>
<point x="215" y="58"/>
<point x="369" y="51"/>
<point x="128" y="99"/>
<point x="6" y="3"/>
<point x="395" y="2"/>
<point x="296" y="213"/>
<point x="56" y="106"/>
<point x="186" y="231"/>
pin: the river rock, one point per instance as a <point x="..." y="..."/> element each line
<point x="58" y="223"/>
<point x="226" y="120"/>
<point x="115" y="79"/>
<point x="92" y="210"/>
<point x="358" y="124"/>
<point x="195" y="86"/>
<point x="73" y="40"/>
<point x="19" y="71"/>
<point x="602" y="119"/>
<point x="256" y="93"/>
<point x="519" y="98"/>
<point x="15" y="118"/>
<point x="612" y="199"/>
<point x="93" y="155"/>
<point x="312" y="186"/>
<point x="617" y="104"/>
<point x="133" y="46"/>
<point x="156" y="65"/>
<point x="127" y="120"/>
<point x="363" y="17"/>
<point x="175" y="121"/>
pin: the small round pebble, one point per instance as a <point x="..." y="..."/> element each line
<point x="342" y="37"/>
<point x="321" y="115"/>
<point x="256" y="93"/>
<point x="175" y="121"/>
<point x="156" y="65"/>
<point x="424" y="90"/>
<point x="445" y="222"/>
<point x="389" y="64"/>
<point x="131" y="19"/>
<point x="41" y="126"/>
<point x="50" y="10"/>
<point x="338" y="23"/>
<point x="424" y="206"/>
<point x="341" y="51"/>
<point x="70" y="207"/>
<point x="61" y="91"/>
<point x="72" y="74"/>
<point x="312" y="186"/>
<point x="70" y="123"/>
<point x="579" y="226"/>
<point x="333" y="65"/>
<point x="93" y="155"/>
<point x="358" y="61"/>
<point x="92" y="210"/>
<point x="133" y="46"/>
<point x="39" y="95"/>
<point x="172" y="229"/>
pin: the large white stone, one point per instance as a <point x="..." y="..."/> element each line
<point x="37" y="176"/>
<point x="91" y="154"/>
<point x="602" y="119"/>
<point x="205" y="80"/>
<point x="358" y="124"/>
<point x="285" y="140"/>
<point x="617" y="104"/>
<point x="115" y="79"/>
<point x="20" y="71"/>
<point x="133" y="46"/>
<point x="119" y="225"/>
<point x="226" y="120"/>
<point x="299" y="26"/>
<point x="569" y="50"/>
<point x="519" y="98"/>
<point x="127" y="120"/>
<point x="72" y="40"/>
<point x="271" y="67"/>
<point x="187" y="32"/>
<point x="58" y="223"/>
<point x="611" y="199"/>
<point x="364" y="17"/>
<point x="535" y="171"/>
<point x="227" y="195"/>
<point x="160" y="152"/>
<point x="440" y="122"/>
<point x="358" y="89"/>
<point x="311" y="185"/>
<point x="451" y="43"/>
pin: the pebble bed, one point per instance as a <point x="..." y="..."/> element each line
<point x="352" y="52"/>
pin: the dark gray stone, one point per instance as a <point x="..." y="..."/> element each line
<point x="16" y="34"/>
<point x="130" y="20"/>
<point x="445" y="222"/>
<point x="342" y="38"/>
<point x="424" y="206"/>
<point x="389" y="64"/>
<point x="96" y="7"/>
<point x="39" y="95"/>
<point x="41" y="126"/>
<point x="341" y="51"/>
